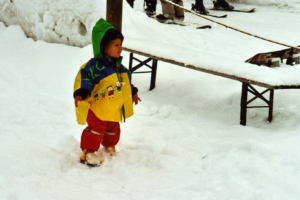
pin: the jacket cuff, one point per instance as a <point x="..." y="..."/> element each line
<point x="134" y="90"/>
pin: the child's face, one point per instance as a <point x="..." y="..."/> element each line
<point x="114" y="48"/>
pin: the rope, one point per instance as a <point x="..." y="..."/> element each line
<point x="230" y="26"/>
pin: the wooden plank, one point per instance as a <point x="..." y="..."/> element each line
<point x="244" y="80"/>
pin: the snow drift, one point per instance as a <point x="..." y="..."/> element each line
<point x="67" y="22"/>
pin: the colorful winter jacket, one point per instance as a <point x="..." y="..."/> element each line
<point x="108" y="84"/>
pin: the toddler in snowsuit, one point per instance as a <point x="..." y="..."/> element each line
<point x="99" y="76"/>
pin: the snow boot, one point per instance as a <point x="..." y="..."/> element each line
<point x="222" y="4"/>
<point x="179" y="19"/>
<point x="82" y="157"/>
<point x="151" y="7"/>
<point x="149" y="12"/>
<point x="110" y="150"/>
<point x="162" y="19"/>
<point x="90" y="159"/>
<point x="202" y="12"/>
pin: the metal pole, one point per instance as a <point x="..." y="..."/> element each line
<point x="114" y="9"/>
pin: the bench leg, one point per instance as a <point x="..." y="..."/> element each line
<point x="271" y="105"/>
<point x="153" y="74"/>
<point x="130" y="66"/>
<point x="142" y="63"/>
<point x="243" y="116"/>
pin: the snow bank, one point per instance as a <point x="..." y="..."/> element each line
<point x="219" y="49"/>
<point x="67" y="22"/>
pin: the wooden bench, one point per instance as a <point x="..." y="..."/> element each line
<point x="247" y="84"/>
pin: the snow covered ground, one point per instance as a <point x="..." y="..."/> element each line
<point x="184" y="141"/>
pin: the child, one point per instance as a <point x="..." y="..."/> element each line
<point x="99" y="76"/>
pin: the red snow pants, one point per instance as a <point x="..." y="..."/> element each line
<point x="99" y="132"/>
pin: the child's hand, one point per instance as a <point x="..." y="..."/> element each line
<point x="136" y="99"/>
<point x="77" y="98"/>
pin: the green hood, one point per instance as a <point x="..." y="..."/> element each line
<point x="98" y="33"/>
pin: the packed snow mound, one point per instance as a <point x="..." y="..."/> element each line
<point x="57" y="21"/>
